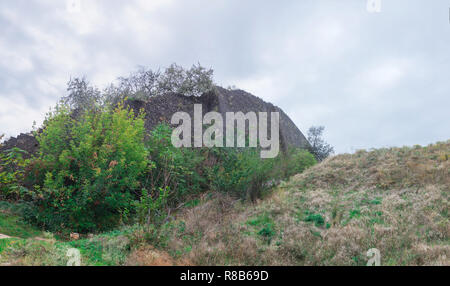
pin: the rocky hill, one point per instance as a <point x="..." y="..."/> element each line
<point x="161" y="108"/>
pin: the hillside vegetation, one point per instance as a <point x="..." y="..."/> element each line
<point x="395" y="200"/>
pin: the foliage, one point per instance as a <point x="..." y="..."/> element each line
<point x="240" y="171"/>
<point x="81" y="95"/>
<point x="319" y="148"/>
<point x="12" y="222"/>
<point x="316" y="218"/>
<point x="146" y="83"/>
<point x="192" y="82"/>
<point x="89" y="168"/>
<point x="142" y="84"/>
<point x="175" y="175"/>
<point x="150" y="210"/>
<point x="178" y="171"/>
<point x="11" y="172"/>
<point x="295" y="161"/>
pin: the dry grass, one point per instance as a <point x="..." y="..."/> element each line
<point x="393" y="199"/>
<point x="148" y="256"/>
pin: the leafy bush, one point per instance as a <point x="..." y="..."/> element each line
<point x="295" y="161"/>
<point x="176" y="170"/>
<point x="12" y="167"/>
<point x="241" y="171"/>
<point x="150" y="210"/>
<point x="91" y="168"/>
<point x="176" y="174"/>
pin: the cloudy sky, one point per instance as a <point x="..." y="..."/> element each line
<point x="372" y="79"/>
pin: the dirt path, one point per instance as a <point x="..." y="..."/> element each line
<point x="3" y="236"/>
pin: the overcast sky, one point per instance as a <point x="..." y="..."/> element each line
<point x="372" y="79"/>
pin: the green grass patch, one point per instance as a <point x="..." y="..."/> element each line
<point x="265" y="227"/>
<point x="4" y="243"/>
<point x="376" y="201"/>
<point x="260" y="220"/>
<point x="106" y="249"/>
<point x="317" y="219"/>
<point x="193" y="203"/>
<point x="356" y="213"/>
<point x="13" y="225"/>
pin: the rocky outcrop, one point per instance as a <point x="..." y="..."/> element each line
<point x="161" y="108"/>
<point x="26" y="142"/>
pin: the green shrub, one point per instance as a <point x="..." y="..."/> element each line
<point x="295" y="161"/>
<point x="267" y="232"/>
<point x="178" y="171"/>
<point x="240" y="171"/>
<point x="150" y="210"/>
<point x="12" y="167"/>
<point x="89" y="168"/>
<point x="96" y="171"/>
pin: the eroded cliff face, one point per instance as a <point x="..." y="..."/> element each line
<point x="161" y="108"/>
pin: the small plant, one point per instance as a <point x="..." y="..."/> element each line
<point x="316" y="218"/>
<point x="267" y="232"/>
<point x="355" y="213"/>
<point x="12" y="167"/>
<point x="376" y="201"/>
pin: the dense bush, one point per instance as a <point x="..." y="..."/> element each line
<point x="241" y="171"/>
<point x="179" y="170"/>
<point x="101" y="169"/>
<point x="98" y="167"/>
<point x="295" y="161"/>
<point x="88" y="168"/>
<point x="236" y="171"/>
<point x="174" y="175"/>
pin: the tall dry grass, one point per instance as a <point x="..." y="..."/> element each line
<point x="396" y="200"/>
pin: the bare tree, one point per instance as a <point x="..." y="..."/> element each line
<point x="141" y="84"/>
<point x="81" y="94"/>
<point x="146" y="83"/>
<point x="319" y="148"/>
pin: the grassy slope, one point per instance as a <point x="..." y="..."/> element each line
<point x="396" y="200"/>
<point x="12" y="225"/>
